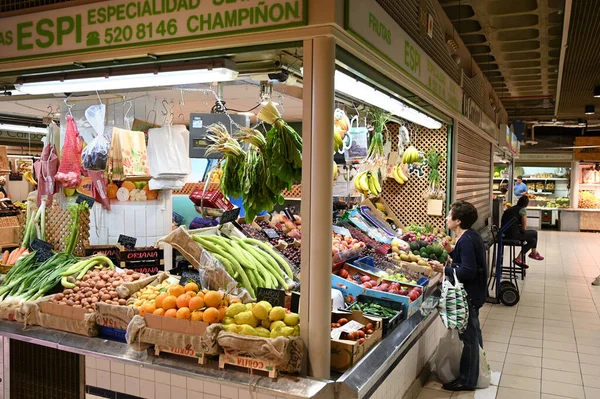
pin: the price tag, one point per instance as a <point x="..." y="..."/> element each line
<point x="84" y="198"/>
<point x="295" y="304"/>
<point x="274" y="297"/>
<point x="38" y="245"/>
<point x="190" y="275"/>
<point x="341" y="230"/>
<point x="43" y="250"/>
<point x="230" y="216"/>
<point x="271" y="233"/>
<point x="126" y="241"/>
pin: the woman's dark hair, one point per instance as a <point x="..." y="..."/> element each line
<point x="523" y="201"/>
<point x="465" y="212"/>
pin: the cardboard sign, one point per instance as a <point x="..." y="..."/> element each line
<point x="43" y="249"/>
<point x="274" y="297"/>
<point x="126" y="241"/>
<point x="84" y="198"/>
<point x="112" y="252"/>
<point x="230" y="216"/>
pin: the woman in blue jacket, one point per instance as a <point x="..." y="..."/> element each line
<point x="469" y="263"/>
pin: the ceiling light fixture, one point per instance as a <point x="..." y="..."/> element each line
<point x="23" y="129"/>
<point x="363" y="92"/>
<point x="597" y="91"/>
<point x="156" y="76"/>
<point x="590" y="109"/>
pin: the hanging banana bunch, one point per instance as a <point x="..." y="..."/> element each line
<point x="399" y="174"/>
<point x="367" y="183"/>
<point x="341" y="125"/>
<point x="411" y="155"/>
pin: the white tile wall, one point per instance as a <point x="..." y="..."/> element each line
<point x="151" y="384"/>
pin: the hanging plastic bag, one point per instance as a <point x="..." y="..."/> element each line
<point x="447" y="357"/>
<point x="485" y="371"/>
<point x="46" y="167"/>
<point x="359" y="141"/>
<point x="95" y="155"/>
<point x="453" y="306"/>
<point x="99" y="188"/>
<point x="70" y="171"/>
<point x="168" y="149"/>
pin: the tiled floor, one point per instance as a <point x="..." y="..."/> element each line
<point x="547" y="346"/>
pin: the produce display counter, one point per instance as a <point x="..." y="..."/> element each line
<point x="570" y="219"/>
<point x="402" y="351"/>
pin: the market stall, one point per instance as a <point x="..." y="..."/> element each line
<point x="248" y="297"/>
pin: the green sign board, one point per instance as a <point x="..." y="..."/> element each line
<point x="127" y="23"/>
<point x="370" y="23"/>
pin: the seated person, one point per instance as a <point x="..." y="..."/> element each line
<point x="517" y="231"/>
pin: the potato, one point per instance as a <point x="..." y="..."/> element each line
<point x="122" y="302"/>
<point x="105" y="297"/>
<point x="114" y="295"/>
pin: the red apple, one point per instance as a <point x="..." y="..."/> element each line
<point x="343" y="273"/>
<point x="365" y="279"/>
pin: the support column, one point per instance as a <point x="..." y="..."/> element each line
<point x="317" y="198"/>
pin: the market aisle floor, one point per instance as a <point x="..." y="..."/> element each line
<point x="548" y="346"/>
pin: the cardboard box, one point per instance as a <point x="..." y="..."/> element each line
<point x="114" y="316"/>
<point x="68" y="312"/>
<point x="390" y="214"/>
<point x="175" y="325"/>
<point x="345" y="354"/>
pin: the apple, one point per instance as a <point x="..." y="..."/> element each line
<point x="384" y="287"/>
<point x="403" y="292"/>
<point x="343" y="273"/>
<point x="365" y="279"/>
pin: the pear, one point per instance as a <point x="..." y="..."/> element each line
<point x="278" y="332"/>
<point x="261" y="311"/>
<point x="263" y="332"/>
<point x="291" y="319"/>
<point x="276" y="324"/>
<point x="246" y="318"/>
<point x="228" y="320"/>
<point x="277" y="313"/>
<point x="248" y="330"/>
<point x="287" y="331"/>
<point x="235" y="309"/>
<point x="266" y="323"/>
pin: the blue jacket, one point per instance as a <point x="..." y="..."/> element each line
<point x="469" y="261"/>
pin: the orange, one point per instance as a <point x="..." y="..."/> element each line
<point x="222" y="311"/>
<point x="200" y="294"/>
<point x="234" y="299"/>
<point x="191" y="287"/>
<point x="176" y="290"/>
<point x="197" y="315"/>
<point x="171" y="313"/>
<point x="183" y="313"/>
<point x="191" y="293"/>
<point x="213" y="299"/>
<point x="196" y="303"/>
<point x="211" y="315"/>
<point x="150" y="194"/>
<point x="147" y="307"/>
<point x="159" y="312"/>
<point x="170" y="302"/>
<point x="159" y="299"/>
<point x="111" y="190"/>
<point x="183" y="301"/>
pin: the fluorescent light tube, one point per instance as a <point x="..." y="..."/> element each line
<point x="136" y="81"/>
<point x="22" y="128"/>
<point x="363" y="92"/>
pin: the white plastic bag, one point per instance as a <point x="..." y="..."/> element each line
<point x="485" y="371"/>
<point x="447" y="357"/>
<point x="168" y="152"/>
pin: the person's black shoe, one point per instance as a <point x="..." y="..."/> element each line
<point x="456" y="386"/>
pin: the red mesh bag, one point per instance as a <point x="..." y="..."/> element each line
<point x="70" y="169"/>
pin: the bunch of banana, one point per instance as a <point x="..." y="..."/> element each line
<point x="29" y="177"/>
<point x="411" y="155"/>
<point x="367" y="183"/>
<point x="398" y="174"/>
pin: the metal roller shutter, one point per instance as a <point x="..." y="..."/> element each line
<point x="474" y="173"/>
